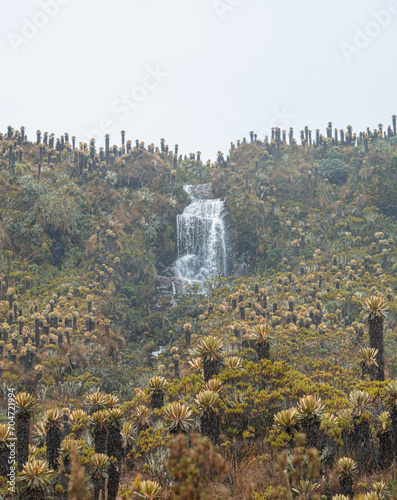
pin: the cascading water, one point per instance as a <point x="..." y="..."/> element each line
<point x="201" y="232"/>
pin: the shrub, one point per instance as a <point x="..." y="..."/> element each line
<point x="393" y="140"/>
<point x="194" y="466"/>
<point x="334" y="170"/>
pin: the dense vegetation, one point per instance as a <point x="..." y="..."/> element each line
<point x="279" y="382"/>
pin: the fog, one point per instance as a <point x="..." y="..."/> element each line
<point x="198" y="73"/>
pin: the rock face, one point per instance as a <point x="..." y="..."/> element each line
<point x="169" y="285"/>
<point x="200" y="191"/>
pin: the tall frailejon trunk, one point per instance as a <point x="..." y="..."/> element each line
<point x="100" y="435"/>
<point x="393" y="416"/>
<point x="99" y="487"/>
<point x="23" y="431"/>
<point x="328" y="448"/>
<point x="263" y="350"/>
<point x="386" y="450"/>
<point x="376" y="342"/>
<point x="209" y="423"/>
<point x="346" y="486"/>
<point x="361" y="432"/>
<point x="348" y="441"/>
<point x="64" y="479"/>
<point x="176" y="367"/>
<point x="34" y="495"/>
<point x="53" y="443"/>
<point x="211" y="368"/>
<point x="311" y="427"/>
<point x="370" y="370"/>
<point x="157" y="400"/>
<point x="114" y="449"/>
<point x="4" y="466"/>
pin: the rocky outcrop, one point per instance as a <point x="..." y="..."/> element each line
<point x="167" y="285"/>
<point x="200" y="191"/>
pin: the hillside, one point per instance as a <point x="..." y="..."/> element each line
<point x="299" y="337"/>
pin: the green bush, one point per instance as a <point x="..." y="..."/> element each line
<point x="393" y="161"/>
<point x="333" y="153"/>
<point x="393" y="140"/>
<point x="334" y="170"/>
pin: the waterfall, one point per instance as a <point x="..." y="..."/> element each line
<point x="201" y="233"/>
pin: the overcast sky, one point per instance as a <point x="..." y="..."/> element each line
<point x="200" y="73"/>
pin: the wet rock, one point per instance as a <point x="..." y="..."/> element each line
<point x="201" y="191"/>
<point x="167" y="270"/>
<point x="167" y="285"/>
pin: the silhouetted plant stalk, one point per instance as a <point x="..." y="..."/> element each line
<point x="25" y="406"/>
<point x="53" y="423"/>
<point x="209" y="348"/>
<point x="157" y="386"/>
<point x="208" y="402"/>
<point x="114" y="450"/>
<point x="375" y="310"/>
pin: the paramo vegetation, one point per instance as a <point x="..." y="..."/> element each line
<point x="278" y="382"/>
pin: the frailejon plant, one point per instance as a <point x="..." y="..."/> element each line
<point x="115" y="417"/>
<point x="178" y="418"/>
<point x="196" y="365"/>
<point x="359" y="402"/>
<point x="98" y="421"/>
<point x="140" y="418"/>
<point x="53" y="423"/>
<point x="347" y="470"/>
<point x="128" y="442"/>
<point x="306" y="489"/>
<point x="287" y="421"/>
<point x="368" y="362"/>
<point x="385" y="436"/>
<point x="390" y="402"/>
<point x="309" y="412"/>
<point x="36" y="479"/>
<point x="25" y="405"/>
<point x="207" y="402"/>
<point x="111" y="401"/>
<point x="381" y="489"/>
<point x="64" y="459"/>
<point x="95" y="402"/>
<point x="233" y="362"/>
<point x="375" y="310"/>
<point x="157" y="386"/>
<point x="78" y="420"/>
<point x="98" y="466"/>
<point x="215" y="385"/>
<point x="210" y="350"/>
<point x="5" y="436"/>
<point x="263" y="334"/>
<point x="148" y="490"/>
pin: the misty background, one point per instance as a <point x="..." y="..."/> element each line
<point x="200" y="73"/>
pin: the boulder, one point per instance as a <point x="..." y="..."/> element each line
<point x="167" y="285"/>
<point x="200" y="191"/>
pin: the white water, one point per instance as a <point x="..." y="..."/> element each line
<point x="202" y="249"/>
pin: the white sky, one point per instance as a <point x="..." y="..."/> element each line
<point x="224" y="67"/>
